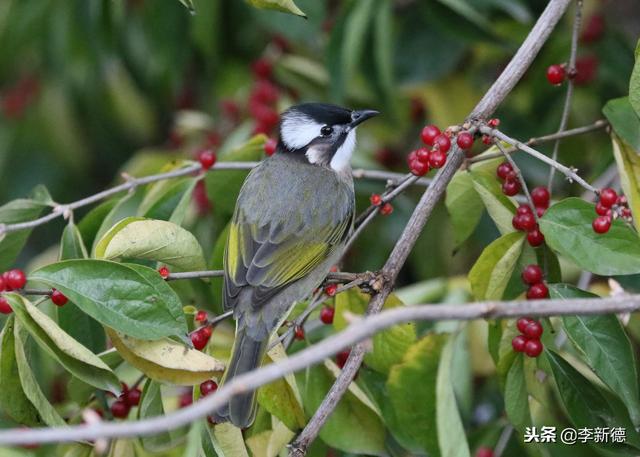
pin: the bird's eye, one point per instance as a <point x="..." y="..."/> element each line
<point x="326" y="130"/>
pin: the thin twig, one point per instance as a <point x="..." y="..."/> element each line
<point x="568" y="172"/>
<point x="523" y="183"/>
<point x="354" y="333"/>
<point x="566" y="110"/>
<point x="597" y="125"/>
<point x="487" y="105"/>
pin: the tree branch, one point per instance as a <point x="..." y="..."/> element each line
<point x="357" y="331"/>
<point x="487" y="105"/>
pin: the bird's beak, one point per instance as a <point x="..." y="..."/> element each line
<point x="359" y="116"/>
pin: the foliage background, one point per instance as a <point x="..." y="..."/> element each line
<point x="93" y="88"/>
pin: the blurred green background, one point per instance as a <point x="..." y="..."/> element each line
<point x="85" y="85"/>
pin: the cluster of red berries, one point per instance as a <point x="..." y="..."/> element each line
<point x="524" y="219"/>
<point x="435" y="155"/>
<point x="127" y="400"/>
<point x="386" y="208"/>
<point x="529" y="339"/>
<point x="509" y="177"/>
<point x="10" y="280"/>
<point x="610" y="205"/>
<point x="532" y="276"/>
<point x="584" y="72"/>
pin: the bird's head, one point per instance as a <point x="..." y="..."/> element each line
<point x="323" y="134"/>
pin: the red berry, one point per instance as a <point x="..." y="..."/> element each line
<point x="601" y="209"/>
<point x="593" y="29"/>
<point x="537" y="291"/>
<point x="437" y="158"/>
<point x="503" y="170"/>
<point x="608" y="197"/>
<point x="208" y="387"/>
<point x="375" y="199"/>
<point x="133" y="397"/>
<point x="120" y="409"/>
<point x="270" y="146"/>
<point x="298" y="332"/>
<point x="533" y="331"/>
<point x="601" y="224"/>
<point x="533" y="348"/>
<point x="487" y="139"/>
<point x="419" y="168"/>
<point x="522" y="323"/>
<point x="429" y="134"/>
<point x="511" y="187"/>
<point x="518" y="343"/>
<point x="622" y="200"/>
<point x="386" y="209"/>
<point x="326" y="314"/>
<point x="532" y="274"/>
<point x="422" y="154"/>
<point x="524" y="209"/>
<point x="262" y="68"/>
<point x="58" y="298"/>
<point x="164" y="272"/>
<point x="442" y="142"/>
<point x="484" y="452"/>
<point x="5" y="308"/>
<point x="540" y="210"/>
<point x="527" y="222"/>
<point x="201" y="316"/>
<point x="464" y="140"/>
<point x="556" y="74"/>
<point x="535" y="237"/>
<point x="341" y="357"/>
<point x="331" y="289"/>
<point x="586" y="69"/>
<point x="206" y="158"/>
<point x="207" y="331"/>
<point x="541" y="196"/>
<point x="199" y="339"/>
<point x="493" y="123"/>
<point x="16" y="279"/>
<point x="516" y="222"/>
<point x="186" y="398"/>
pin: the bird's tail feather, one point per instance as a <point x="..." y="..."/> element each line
<point x="246" y="355"/>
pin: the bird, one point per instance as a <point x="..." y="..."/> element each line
<point x="293" y="216"/>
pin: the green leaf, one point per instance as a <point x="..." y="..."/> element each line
<point x="80" y="326"/>
<point x="389" y="346"/>
<point x="634" y="83"/>
<point x="411" y="387"/>
<point x="227" y="440"/>
<point x="168" y="199"/>
<point x="11" y="243"/>
<point x="285" y="6"/>
<point x="451" y="433"/>
<point x="161" y="241"/>
<point x="223" y="186"/>
<point x="516" y="397"/>
<point x="584" y="402"/>
<point x="500" y="207"/>
<point x="13" y="401"/>
<point x="464" y="206"/>
<point x="132" y="299"/>
<point x="91" y="222"/>
<point x="493" y="269"/>
<point x="567" y="230"/>
<point x="166" y="360"/>
<point x="30" y="386"/>
<point x="126" y="206"/>
<point x="624" y="120"/>
<point x="606" y="348"/>
<point x="151" y="406"/>
<point x="282" y="398"/>
<point x="352" y="427"/>
<point x="73" y="356"/>
<point x="628" y="162"/>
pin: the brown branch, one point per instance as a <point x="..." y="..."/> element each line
<point x="357" y="331"/>
<point x="487" y="105"/>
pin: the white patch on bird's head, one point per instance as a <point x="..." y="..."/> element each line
<point x="298" y="130"/>
<point x="342" y="158"/>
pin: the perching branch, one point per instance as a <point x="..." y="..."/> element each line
<point x="359" y="330"/>
<point x="487" y="105"/>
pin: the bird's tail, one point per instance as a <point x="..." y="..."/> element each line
<point x="246" y="355"/>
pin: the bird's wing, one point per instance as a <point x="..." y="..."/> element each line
<point x="272" y="245"/>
